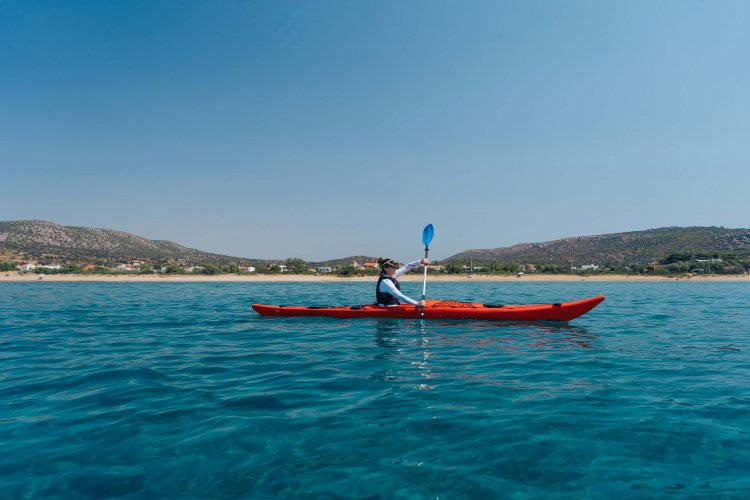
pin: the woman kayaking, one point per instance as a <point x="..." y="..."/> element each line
<point x="388" y="290"/>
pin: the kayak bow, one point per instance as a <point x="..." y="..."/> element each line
<point x="444" y="309"/>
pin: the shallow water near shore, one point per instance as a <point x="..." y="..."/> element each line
<point x="180" y="390"/>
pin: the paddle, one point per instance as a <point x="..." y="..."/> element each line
<point x="427" y="235"/>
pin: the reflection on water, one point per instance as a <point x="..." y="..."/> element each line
<point x="425" y="354"/>
<point x="390" y="334"/>
<point x="424" y="365"/>
<point x="387" y="336"/>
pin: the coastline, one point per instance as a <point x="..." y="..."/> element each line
<point x="15" y="277"/>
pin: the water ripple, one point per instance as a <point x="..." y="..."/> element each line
<point x="180" y="390"/>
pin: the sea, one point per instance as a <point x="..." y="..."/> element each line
<point x="180" y="390"/>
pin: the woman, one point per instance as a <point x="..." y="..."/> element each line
<point x="388" y="290"/>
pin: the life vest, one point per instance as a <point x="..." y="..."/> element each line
<point x="385" y="298"/>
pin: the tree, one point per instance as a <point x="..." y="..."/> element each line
<point x="70" y="268"/>
<point x="146" y="268"/>
<point x="455" y="267"/>
<point x="173" y="268"/>
<point x="677" y="257"/>
<point x="230" y="268"/>
<point x="210" y="268"/>
<point x="296" y="265"/>
<point x="347" y="270"/>
<point x="7" y="266"/>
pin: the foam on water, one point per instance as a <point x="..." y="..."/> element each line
<point x="180" y="390"/>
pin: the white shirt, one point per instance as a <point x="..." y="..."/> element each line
<point x="387" y="286"/>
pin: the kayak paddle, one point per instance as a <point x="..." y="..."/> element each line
<point x="427" y="235"/>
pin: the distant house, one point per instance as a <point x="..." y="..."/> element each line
<point x="50" y="266"/>
<point x="589" y="267"/>
<point x="324" y="269"/>
<point x="370" y="264"/>
<point x="247" y="269"/>
<point x="88" y="267"/>
<point x="283" y="268"/>
<point x="27" y="267"/>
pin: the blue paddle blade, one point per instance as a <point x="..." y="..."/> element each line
<point x="427" y="235"/>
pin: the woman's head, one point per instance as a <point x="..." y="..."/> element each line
<point x="387" y="266"/>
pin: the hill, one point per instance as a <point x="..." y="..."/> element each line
<point x="634" y="247"/>
<point x="43" y="240"/>
<point x="35" y="239"/>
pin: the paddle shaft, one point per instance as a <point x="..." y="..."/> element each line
<point x="424" y="280"/>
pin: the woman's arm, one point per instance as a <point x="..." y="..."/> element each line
<point x="408" y="267"/>
<point x="391" y="288"/>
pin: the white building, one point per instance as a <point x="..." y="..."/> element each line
<point x="324" y="269"/>
<point x="27" y="267"/>
<point x="124" y="268"/>
<point x="589" y="267"/>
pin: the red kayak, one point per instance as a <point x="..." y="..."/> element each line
<point x="444" y="309"/>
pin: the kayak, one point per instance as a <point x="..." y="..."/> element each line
<point x="443" y="309"/>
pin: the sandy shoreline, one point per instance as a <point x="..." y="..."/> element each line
<point x="233" y="278"/>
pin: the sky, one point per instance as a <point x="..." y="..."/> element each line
<point x="333" y="128"/>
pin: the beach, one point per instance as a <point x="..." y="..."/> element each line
<point x="301" y="278"/>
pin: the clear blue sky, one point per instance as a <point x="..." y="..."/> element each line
<point x="332" y="128"/>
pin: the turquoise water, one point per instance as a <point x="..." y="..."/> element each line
<point x="180" y="390"/>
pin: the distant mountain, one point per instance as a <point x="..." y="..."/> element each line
<point x="34" y="239"/>
<point x="629" y="248"/>
<point x="43" y="240"/>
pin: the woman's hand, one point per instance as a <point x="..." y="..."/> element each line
<point x="425" y="261"/>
